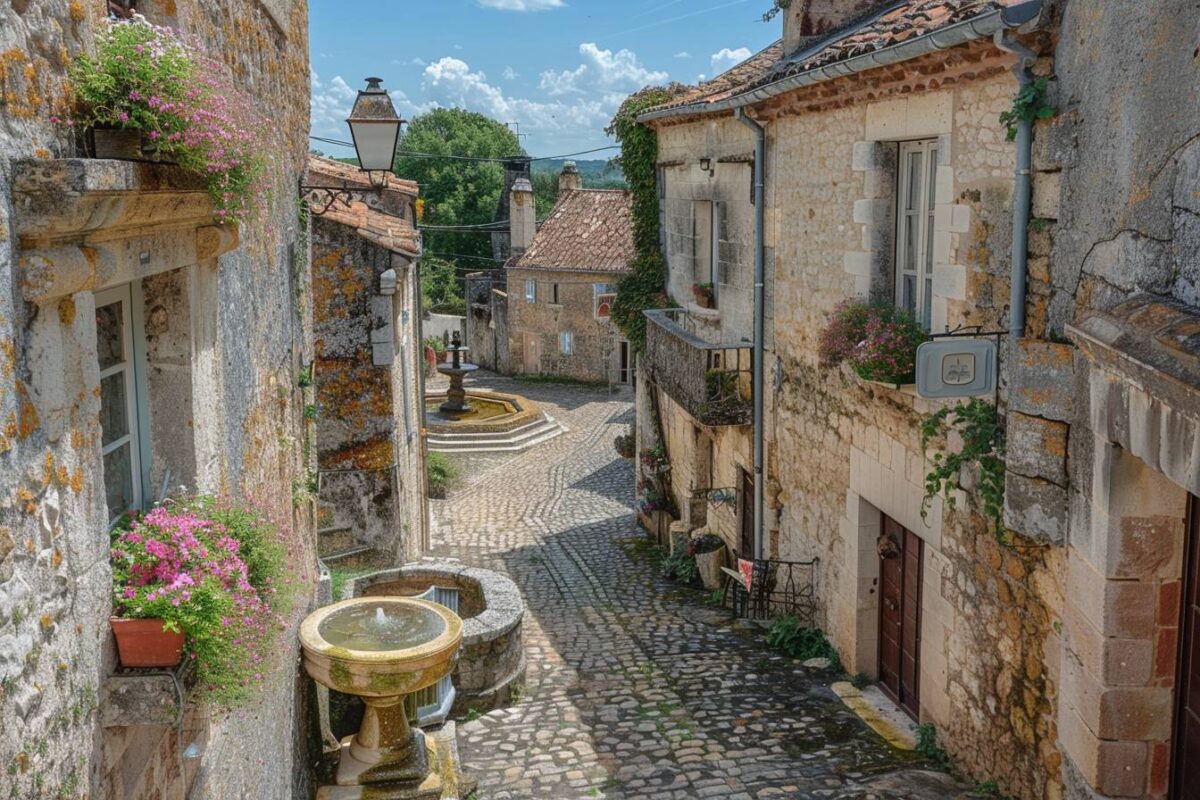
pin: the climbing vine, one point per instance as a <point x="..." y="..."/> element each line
<point x="642" y="288"/>
<point x="1030" y="105"/>
<point x="977" y="424"/>
<point x="777" y="6"/>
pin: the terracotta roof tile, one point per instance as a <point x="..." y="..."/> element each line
<point x="385" y="230"/>
<point x="907" y="20"/>
<point x="320" y="168"/>
<point x="590" y="230"/>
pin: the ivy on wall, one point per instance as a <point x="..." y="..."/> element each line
<point x="978" y="425"/>
<point x="643" y="287"/>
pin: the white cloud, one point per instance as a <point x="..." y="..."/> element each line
<point x="510" y="74"/>
<point x="450" y="82"/>
<point x="601" y="68"/>
<point x="725" y="58"/>
<point x="683" y="54"/>
<point x="522" y="5"/>
<point x="412" y="62"/>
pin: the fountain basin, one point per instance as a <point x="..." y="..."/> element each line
<point x="381" y="649"/>
<point x="343" y="653"/>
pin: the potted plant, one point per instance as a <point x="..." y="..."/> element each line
<point x="438" y="347"/>
<point x="709" y="551"/>
<point x="148" y="93"/>
<point x="703" y="294"/>
<point x="625" y="445"/>
<point x="654" y="460"/>
<point x="198" y="580"/>
<point x="878" y="342"/>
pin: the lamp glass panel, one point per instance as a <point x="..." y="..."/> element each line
<point x="376" y="143"/>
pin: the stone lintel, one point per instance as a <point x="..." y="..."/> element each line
<point x="89" y="223"/>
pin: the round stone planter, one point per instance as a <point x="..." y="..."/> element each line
<point x="708" y="565"/>
<point x="492" y="660"/>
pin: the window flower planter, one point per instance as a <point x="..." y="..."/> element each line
<point x="122" y="144"/>
<point x="703" y="294"/>
<point x="879" y="343"/>
<point x="145" y="643"/>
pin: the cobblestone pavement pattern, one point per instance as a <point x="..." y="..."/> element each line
<point x="635" y="689"/>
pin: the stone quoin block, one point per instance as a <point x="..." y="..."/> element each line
<point x="1035" y="508"/>
<point x="1037" y="448"/>
<point x="1043" y="380"/>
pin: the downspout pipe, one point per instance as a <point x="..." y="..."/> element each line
<point x="760" y="323"/>
<point x="1023" y="188"/>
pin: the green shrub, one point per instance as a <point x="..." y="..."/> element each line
<point x="442" y="473"/>
<point x="929" y="747"/>
<point x="788" y="635"/>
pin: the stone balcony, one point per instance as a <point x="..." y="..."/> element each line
<point x="711" y="380"/>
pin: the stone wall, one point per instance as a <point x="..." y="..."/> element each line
<point x="1120" y="178"/>
<point x="241" y="350"/>
<point x="594" y="354"/>
<point x="841" y="454"/>
<point x="368" y="403"/>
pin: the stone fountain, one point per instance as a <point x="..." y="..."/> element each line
<point x="456" y="404"/>
<point x="381" y="649"/>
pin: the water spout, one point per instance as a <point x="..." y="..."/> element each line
<point x="380" y="617"/>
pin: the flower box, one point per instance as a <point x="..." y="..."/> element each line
<point x="143" y="643"/>
<point x="122" y="144"/>
<point x="703" y="294"/>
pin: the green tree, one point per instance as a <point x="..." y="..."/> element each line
<point x="456" y="192"/>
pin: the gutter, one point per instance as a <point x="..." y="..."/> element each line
<point x="985" y="25"/>
<point x="760" y="158"/>
<point x="1022" y="191"/>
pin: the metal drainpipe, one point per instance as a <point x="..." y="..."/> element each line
<point x="1023" y="191"/>
<point x="760" y="323"/>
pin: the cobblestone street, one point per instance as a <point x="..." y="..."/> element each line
<point x="635" y="688"/>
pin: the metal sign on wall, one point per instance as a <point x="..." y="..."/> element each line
<point x="957" y="367"/>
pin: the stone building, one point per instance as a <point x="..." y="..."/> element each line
<point x="368" y="368"/>
<point x="562" y="280"/>
<point x="1050" y="658"/>
<point x="126" y="263"/>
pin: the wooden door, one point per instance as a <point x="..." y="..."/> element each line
<point x="746" y="519"/>
<point x="900" y="616"/>
<point x="1185" y="784"/>
<point x="533" y="353"/>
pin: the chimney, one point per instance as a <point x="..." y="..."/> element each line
<point x="522" y="217"/>
<point x="805" y="21"/>
<point x="570" y="179"/>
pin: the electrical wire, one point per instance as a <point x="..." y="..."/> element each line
<point x="499" y="160"/>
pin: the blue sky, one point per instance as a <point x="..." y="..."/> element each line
<point x="558" y="67"/>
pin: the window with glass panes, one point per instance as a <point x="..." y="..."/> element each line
<point x="530" y="291"/>
<point x="118" y="401"/>
<point x="566" y="342"/>
<point x="914" y="228"/>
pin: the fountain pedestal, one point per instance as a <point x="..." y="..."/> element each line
<point x="456" y="404"/>
<point x="382" y="649"/>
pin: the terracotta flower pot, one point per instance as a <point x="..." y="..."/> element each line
<point x="144" y="643"/>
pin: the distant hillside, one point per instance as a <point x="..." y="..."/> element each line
<point x="597" y="173"/>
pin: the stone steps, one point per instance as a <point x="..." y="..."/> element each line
<point x="333" y="540"/>
<point x="349" y="559"/>
<point x="514" y="441"/>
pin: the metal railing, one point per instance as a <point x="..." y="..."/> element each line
<point x="777" y="589"/>
<point x="713" y="381"/>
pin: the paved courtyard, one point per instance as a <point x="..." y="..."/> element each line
<point x="635" y="688"/>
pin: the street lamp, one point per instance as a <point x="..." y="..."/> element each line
<point x="375" y="127"/>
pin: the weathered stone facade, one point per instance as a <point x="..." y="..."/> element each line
<point x="561" y="283"/>
<point x="224" y="341"/>
<point x="367" y="375"/>
<point x="842" y="454"/>
<point x="564" y="302"/>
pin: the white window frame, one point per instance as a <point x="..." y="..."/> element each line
<point x="599" y="292"/>
<point x="921" y="273"/>
<point x="566" y="343"/>
<point x="530" y="290"/>
<point x="135" y="410"/>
